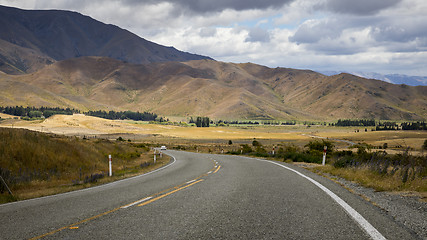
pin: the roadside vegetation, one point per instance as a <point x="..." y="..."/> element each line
<point x="375" y="169"/>
<point x="35" y="164"/>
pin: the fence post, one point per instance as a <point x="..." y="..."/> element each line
<point x="7" y="187"/>
<point x="324" y="155"/>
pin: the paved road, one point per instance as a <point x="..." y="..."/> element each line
<point x="201" y="196"/>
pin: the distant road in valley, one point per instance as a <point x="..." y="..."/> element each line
<point x="204" y="196"/>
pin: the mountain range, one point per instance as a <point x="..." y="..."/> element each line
<point x="211" y="88"/>
<point x="390" y="78"/>
<point x="64" y="59"/>
<point x="31" y="39"/>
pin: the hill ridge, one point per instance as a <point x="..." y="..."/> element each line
<point x="227" y="91"/>
<point x="55" y="35"/>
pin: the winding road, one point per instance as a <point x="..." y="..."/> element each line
<point x="204" y="196"/>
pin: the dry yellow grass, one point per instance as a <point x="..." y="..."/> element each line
<point x="397" y="141"/>
<point x="370" y="179"/>
<point x="79" y="124"/>
<point x="45" y="188"/>
<point x="5" y="116"/>
<point x="214" y="139"/>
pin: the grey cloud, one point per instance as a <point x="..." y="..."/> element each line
<point x="208" y="32"/>
<point x="359" y="7"/>
<point x="258" y="35"/>
<point x="312" y="33"/>
<point x="207" y="6"/>
<point x="401" y="30"/>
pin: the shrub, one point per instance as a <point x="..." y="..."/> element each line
<point x="255" y="143"/>
<point x="318" y="146"/>
<point x="246" y="148"/>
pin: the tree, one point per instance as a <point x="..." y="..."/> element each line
<point x="202" y="122"/>
<point x="35" y="114"/>
<point x="425" y="145"/>
<point x="230" y="142"/>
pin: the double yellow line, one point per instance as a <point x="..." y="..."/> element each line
<point x="141" y="202"/>
<point x="169" y="193"/>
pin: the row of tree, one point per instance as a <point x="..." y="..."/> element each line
<point x="36" y="112"/>
<point x="237" y="122"/>
<point x="381" y="126"/>
<point x="202" y="122"/>
<point x="355" y="123"/>
<point x="113" y="115"/>
<point x="219" y="122"/>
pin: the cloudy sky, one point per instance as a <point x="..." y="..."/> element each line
<point x="384" y="36"/>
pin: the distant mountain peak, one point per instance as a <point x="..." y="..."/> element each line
<point x="58" y="35"/>
<point x="390" y="78"/>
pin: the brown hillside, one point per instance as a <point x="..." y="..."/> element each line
<point x="210" y="88"/>
<point x="31" y="39"/>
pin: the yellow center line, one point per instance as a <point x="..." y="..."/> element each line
<point x="74" y="224"/>
<point x="169" y="193"/>
<point x="219" y="166"/>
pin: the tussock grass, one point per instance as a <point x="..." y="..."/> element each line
<point x="368" y="178"/>
<point x="381" y="171"/>
<point x="36" y="164"/>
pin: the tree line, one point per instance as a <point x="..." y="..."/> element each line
<point x="113" y="115"/>
<point x="381" y="126"/>
<point x="386" y="126"/>
<point x="35" y="112"/>
<point x="355" y="123"/>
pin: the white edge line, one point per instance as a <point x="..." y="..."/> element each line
<point x="364" y="224"/>
<point x="134" y="203"/>
<point x="191" y="181"/>
<point x="91" y="188"/>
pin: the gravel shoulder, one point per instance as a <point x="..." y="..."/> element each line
<point x="405" y="208"/>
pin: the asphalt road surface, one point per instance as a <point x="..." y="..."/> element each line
<point x="204" y="196"/>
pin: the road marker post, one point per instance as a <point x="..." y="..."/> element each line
<point x="154" y="156"/>
<point x="324" y="155"/>
<point x="110" y="166"/>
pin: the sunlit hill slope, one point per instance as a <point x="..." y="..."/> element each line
<point x="211" y="88"/>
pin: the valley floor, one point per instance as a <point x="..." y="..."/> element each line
<point x="92" y="127"/>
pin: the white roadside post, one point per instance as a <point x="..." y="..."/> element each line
<point x="154" y="156"/>
<point x="110" y="166"/>
<point x="324" y="155"/>
<point x="273" y="150"/>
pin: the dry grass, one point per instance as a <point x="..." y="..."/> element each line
<point x="81" y="125"/>
<point x="37" y="164"/>
<point x="396" y="140"/>
<point x="45" y="188"/>
<point x="209" y="140"/>
<point x="379" y="182"/>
